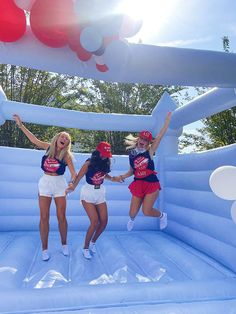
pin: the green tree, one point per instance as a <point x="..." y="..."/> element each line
<point x="40" y="88"/>
<point x="218" y="130"/>
<point x="121" y="98"/>
<point x="61" y="91"/>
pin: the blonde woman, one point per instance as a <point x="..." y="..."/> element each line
<point x="52" y="184"/>
<point x="145" y="187"/>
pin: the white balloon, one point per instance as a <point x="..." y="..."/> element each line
<point x="223" y="182"/>
<point x="110" y="25"/>
<point x="25" y="4"/>
<point x="91" y="39"/>
<point x="233" y="212"/>
<point x="130" y="27"/>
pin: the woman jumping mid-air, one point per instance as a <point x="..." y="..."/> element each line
<point x="145" y="187"/>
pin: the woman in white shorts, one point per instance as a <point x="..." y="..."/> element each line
<point x="92" y="194"/>
<point x="52" y="184"/>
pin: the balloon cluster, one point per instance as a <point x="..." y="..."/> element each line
<point x="87" y="26"/>
<point x="12" y="21"/>
<point x="223" y="182"/>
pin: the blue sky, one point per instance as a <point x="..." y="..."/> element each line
<point x="198" y="24"/>
<point x="194" y="24"/>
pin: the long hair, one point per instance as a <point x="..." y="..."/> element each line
<point x="66" y="151"/>
<point x="131" y="142"/>
<point x="99" y="164"/>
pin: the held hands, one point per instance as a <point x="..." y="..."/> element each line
<point x="117" y="179"/>
<point x="70" y="188"/>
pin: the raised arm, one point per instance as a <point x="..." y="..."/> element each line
<point x="33" y="139"/>
<point x="160" y="135"/>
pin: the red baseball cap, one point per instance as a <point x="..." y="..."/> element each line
<point x="104" y="149"/>
<point x="146" y="135"/>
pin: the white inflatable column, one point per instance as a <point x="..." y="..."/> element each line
<point x="169" y="143"/>
<point x="3" y="98"/>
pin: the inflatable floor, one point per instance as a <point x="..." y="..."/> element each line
<point x="188" y="268"/>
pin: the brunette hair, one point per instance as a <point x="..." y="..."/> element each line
<point x="99" y="164"/>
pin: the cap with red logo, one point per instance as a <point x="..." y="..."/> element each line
<point x="146" y="135"/>
<point x="104" y="149"/>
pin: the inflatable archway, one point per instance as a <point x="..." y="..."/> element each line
<point x="188" y="268"/>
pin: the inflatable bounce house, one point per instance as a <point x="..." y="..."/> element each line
<point x="190" y="267"/>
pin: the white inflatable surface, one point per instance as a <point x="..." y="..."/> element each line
<point x="138" y="63"/>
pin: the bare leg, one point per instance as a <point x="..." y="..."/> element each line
<point x="148" y="203"/>
<point x="135" y="205"/>
<point x="44" y="205"/>
<point x="93" y="217"/>
<point x="103" y="218"/>
<point x="61" y="217"/>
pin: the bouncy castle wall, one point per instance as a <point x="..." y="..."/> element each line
<point x="20" y="171"/>
<point x="196" y="215"/>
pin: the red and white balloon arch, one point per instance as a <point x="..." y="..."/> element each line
<point x="82" y="25"/>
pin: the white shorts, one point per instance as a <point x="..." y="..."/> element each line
<point x="91" y="195"/>
<point x="52" y="186"/>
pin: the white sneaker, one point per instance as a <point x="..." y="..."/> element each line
<point x="65" y="250"/>
<point x="92" y="247"/>
<point x="45" y="255"/>
<point x="87" y="254"/>
<point x="130" y="224"/>
<point x="163" y="221"/>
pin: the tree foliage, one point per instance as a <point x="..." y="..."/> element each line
<point x="218" y="130"/>
<point x="40" y="88"/>
<point x="61" y="91"/>
<point x="121" y="98"/>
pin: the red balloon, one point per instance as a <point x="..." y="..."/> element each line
<point x="83" y="54"/>
<point x="12" y="21"/>
<point x="102" y="67"/>
<point x="74" y="37"/>
<point x="49" y="20"/>
<point x="74" y="43"/>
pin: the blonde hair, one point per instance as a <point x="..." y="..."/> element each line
<point x="132" y="141"/>
<point x="65" y="152"/>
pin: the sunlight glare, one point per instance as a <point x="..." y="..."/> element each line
<point x="154" y="13"/>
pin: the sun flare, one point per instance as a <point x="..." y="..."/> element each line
<point x="154" y="13"/>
